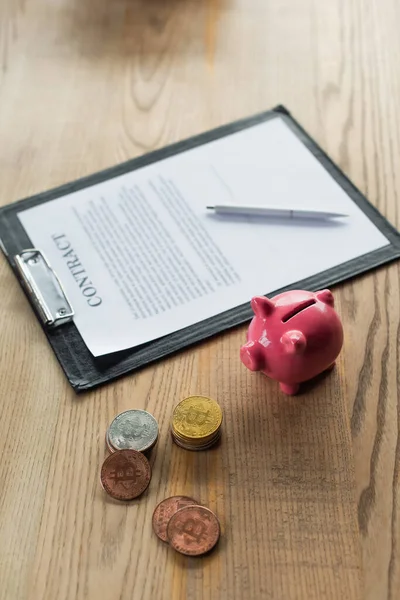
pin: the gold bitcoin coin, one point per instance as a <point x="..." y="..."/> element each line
<point x="196" y="417"/>
<point x="199" y="438"/>
<point x="196" y="447"/>
<point x="201" y="441"/>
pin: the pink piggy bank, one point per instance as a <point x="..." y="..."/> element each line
<point x="293" y="337"/>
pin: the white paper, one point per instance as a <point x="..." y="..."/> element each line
<point x="140" y="256"/>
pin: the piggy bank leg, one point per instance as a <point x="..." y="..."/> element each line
<point x="289" y="389"/>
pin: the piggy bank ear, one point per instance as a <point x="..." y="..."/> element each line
<point x="262" y="306"/>
<point x="294" y="342"/>
<point x="325" y="296"/>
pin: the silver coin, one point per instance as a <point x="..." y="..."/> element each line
<point x="108" y="444"/>
<point x="111" y="448"/>
<point x="133" y="430"/>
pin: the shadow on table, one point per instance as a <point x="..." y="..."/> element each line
<point x="124" y="28"/>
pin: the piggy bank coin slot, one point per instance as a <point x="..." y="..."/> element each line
<point x="297" y="309"/>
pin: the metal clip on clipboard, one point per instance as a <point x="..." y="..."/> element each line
<point x="44" y="288"/>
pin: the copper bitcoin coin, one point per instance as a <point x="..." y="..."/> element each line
<point x="164" y="511"/>
<point x="193" y="530"/>
<point x="125" y="474"/>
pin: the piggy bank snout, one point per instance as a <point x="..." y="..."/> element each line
<point x="251" y="356"/>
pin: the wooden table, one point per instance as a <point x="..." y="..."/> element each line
<point x="307" y="489"/>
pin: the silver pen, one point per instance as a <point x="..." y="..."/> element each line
<point x="270" y="211"/>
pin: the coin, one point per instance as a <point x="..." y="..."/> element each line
<point x="198" y="447"/>
<point x="108" y="445"/>
<point x="197" y="417"/>
<point x="111" y="448"/>
<point x="164" y="511"/>
<point x="193" y="530"/>
<point x="125" y="474"/>
<point x="195" y="440"/>
<point x="134" y="430"/>
<point x="196" y="423"/>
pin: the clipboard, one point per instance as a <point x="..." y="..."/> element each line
<point x="49" y="302"/>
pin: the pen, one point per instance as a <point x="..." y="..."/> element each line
<point x="269" y="211"/>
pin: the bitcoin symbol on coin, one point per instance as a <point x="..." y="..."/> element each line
<point x="194" y="529"/>
<point x="125" y="475"/>
<point x="196" y="416"/>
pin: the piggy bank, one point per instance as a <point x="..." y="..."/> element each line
<point x="293" y="337"/>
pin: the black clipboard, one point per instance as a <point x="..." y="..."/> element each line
<point x="83" y="370"/>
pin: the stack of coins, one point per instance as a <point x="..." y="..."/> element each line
<point x="132" y="430"/>
<point x="196" y="423"/>
<point x="188" y="527"/>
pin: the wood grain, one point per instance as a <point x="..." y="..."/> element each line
<point x="300" y="485"/>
